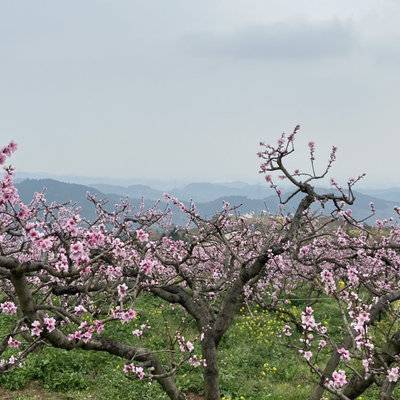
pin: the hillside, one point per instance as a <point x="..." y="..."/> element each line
<point x="133" y="191"/>
<point x="204" y="191"/>
<point x="63" y="192"/>
<point x="390" y="194"/>
<point x="77" y="194"/>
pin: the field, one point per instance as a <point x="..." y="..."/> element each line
<point x="255" y="364"/>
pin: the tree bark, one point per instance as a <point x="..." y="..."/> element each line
<point x="330" y="367"/>
<point x="211" y="375"/>
<point x="358" y="386"/>
<point x="387" y="390"/>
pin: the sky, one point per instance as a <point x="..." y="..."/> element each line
<point x="184" y="89"/>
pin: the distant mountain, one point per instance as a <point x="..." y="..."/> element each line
<point x="56" y="191"/>
<point x="199" y="191"/>
<point x="390" y="194"/>
<point x="235" y="184"/>
<point x="360" y="209"/>
<point x="210" y="208"/>
<point x="159" y="184"/>
<point x="77" y="194"/>
<point x="384" y="208"/>
<point x="133" y="191"/>
<point x="204" y="191"/>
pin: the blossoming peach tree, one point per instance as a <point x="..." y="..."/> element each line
<point x="356" y="271"/>
<point x="352" y="267"/>
<point x="57" y="268"/>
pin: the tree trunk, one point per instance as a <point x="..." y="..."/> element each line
<point x="357" y="386"/>
<point x="170" y="389"/>
<point x="167" y="383"/>
<point x="387" y="390"/>
<point x="211" y="378"/>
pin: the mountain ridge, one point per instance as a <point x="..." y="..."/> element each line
<point x="77" y="194"/>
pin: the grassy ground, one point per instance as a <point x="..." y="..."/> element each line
<point x="254" y="363"/>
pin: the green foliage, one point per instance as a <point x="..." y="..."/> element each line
<point x="254" y="363"/>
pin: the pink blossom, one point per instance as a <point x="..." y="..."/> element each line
<point x="124" y="316"/>
<point x="13" y="343"/>
<point x="79" y="310"/>
<point x="95" y="238"/>
<point x="146" y="266"/>
<point x="99" y="326"/>
<point x="338" y="379"/>
<point x="122" y="290"/>
<point x="12" y="360"/>
<point x="322" y="344"/>
<point x="365" y="364"/>
<point x="78" y="253"/>
<point x="307" y="319"/>
<point x="311" y="146"/>
<point x="8" y="308"/>
<point x="7" y="151"/>
<point x="393" y="374"/>
<point x="189" y="346"/>
<point x="50" y="324"/>
<point x="131" y="368"/>
<point x="196" y="362"/>
<point x="307" y="355"/>
<point x="362" y="318"/>
<point x="344" y="354"/>
<point x="328" y="280"/>
<point x="142" y="235"/>
<point x="36" y="328"/>
<point x="113" y="273"/>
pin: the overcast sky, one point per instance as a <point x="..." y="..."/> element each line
<point x="175" y="89"/>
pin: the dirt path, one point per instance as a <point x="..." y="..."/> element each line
<point x="35" y="392"/>
<point x="32" y="392"/>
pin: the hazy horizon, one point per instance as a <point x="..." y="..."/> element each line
<point x="170" y="183"/>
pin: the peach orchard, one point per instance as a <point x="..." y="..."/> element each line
<point x="64" y="279"/>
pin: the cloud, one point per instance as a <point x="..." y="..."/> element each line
<point x="295" y="40"/>
<point x="384" y="51"/>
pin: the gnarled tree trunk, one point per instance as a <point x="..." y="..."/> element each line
<point x="211" y="375"/>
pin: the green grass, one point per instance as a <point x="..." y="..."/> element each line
<point x="254" y="363"/>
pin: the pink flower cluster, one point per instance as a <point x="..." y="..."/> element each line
<point x="184" y="345"/>
<point x="124" y="316"/>
<point x="122" y="290"/>
<point x="49" y="323"/>
<point x="8" y="308"/>
<point x="142" y="235"/>
<point x="13" y="343"/>
<point x="344" y="354"/>
<point x="393" y="374"/>
<point x="6" y="151"/>
<point x="338" y="380"/>
<point x="133" y="369"/>
<point x="78" y="253"/>
<point x="307" y="319"/>
<point x="86" y="331"/>
<point x="36" y="328"/>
